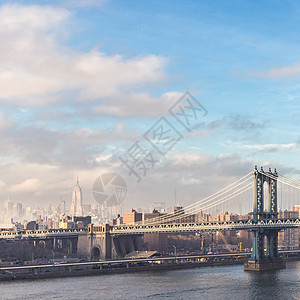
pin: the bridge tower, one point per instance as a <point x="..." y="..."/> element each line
<point x="265" y="242"/>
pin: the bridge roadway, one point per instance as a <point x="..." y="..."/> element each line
<point x="125" y="261"/>
<point x="124" y="265"/>
<point x="158" y="228"/>
<point x="205" y="226"/>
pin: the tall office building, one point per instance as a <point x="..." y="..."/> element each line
<point x="17" y="210"/>
<point x="9" y="208"/>
<point x="76" y="206"/>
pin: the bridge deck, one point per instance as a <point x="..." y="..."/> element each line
<point x="205" y="226"/>
<point x="45" y="233"/>
<point x="158" y="228"/>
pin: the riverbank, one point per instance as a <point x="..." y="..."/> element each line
<point x="116" y="270"/>
<point x="111" y="267"/>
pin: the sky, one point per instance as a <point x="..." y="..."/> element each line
<point x="84" y="82"/>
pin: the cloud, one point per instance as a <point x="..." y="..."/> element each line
<point x="37" y="68"/>
<point x="268" y="148"/>
<point x="264" y="147"/>
<point x="53" y="95"/>
<point x="85" y="3"/>
<point x="28" y="185"/>
<point x="193" y="175"/>
<point x="239" y="122"/>
<point x="138" y="105"/>
<point x="5" y="122"/>
<point x="69" y="148"/>
<point x="15" y="17"/>
<point x="292" y="71"/>
<point x="32" y="183"/>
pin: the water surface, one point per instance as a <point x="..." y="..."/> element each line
<point x="228" y="282"/>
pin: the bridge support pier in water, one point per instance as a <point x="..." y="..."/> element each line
<point x="264" y="264"/>
<point x="265" y="242"/>
<point x="265" y="252"/>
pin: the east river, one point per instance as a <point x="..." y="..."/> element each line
<point x="225" y="282"/>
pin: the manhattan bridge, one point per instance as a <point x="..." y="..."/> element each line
<point x="265" y="202"/>
<point x="266" y="195"/>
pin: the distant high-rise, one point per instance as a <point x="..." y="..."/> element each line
<point x="17" y="210"/>
<point x="62" y="207"/>
<point x="76" y="206"/>
<point x="9" y="208"/>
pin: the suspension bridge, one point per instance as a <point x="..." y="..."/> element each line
<point x="262" y="202"/>
<point x="281" y="194"/>
<point x="275" y="206"/>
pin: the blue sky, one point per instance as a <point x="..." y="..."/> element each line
<point x="82" y="81"/>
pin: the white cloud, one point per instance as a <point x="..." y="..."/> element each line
<point x="38" y="18"/>
<point x="188" y="158"/>
<point x="263" y="147"/>
<point x="137" y="105"/>
<point x="80" y="147"/>
<point x="37" y="68"/>
<point x="28" y="185"/>
<point x="102" y="158"/>
<point x="189" y="181"/>
<point x="279" y="72"/>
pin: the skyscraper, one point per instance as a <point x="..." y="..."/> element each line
<point x="9" y="208"/>
<point x="76" y="206"/>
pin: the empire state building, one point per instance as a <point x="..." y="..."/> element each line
<point x="76" y="206"/>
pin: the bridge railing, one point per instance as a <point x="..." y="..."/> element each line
<point x="206" y="226"/>
<point x="43" y="232"/>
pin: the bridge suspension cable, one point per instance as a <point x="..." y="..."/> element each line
<point x="287" y="190"/>
<point x="289" y="180"/>
<point x="195" y="206"/>
<point x="209" y="202"/>
<point x="283" y="179"/>
<point x="192" y="212"/>
<point x="222" y="196"/>
<point x="293" y="184"/>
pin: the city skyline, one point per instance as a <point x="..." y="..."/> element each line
<point x="82" y="81"/>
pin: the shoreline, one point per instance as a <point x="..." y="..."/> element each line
<point x="63" y="271"/>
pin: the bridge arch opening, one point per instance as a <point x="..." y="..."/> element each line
<point x="265" y="195"/>
<point x="96" y="253"/>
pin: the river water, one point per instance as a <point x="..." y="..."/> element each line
<point x="228" y="282"/>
